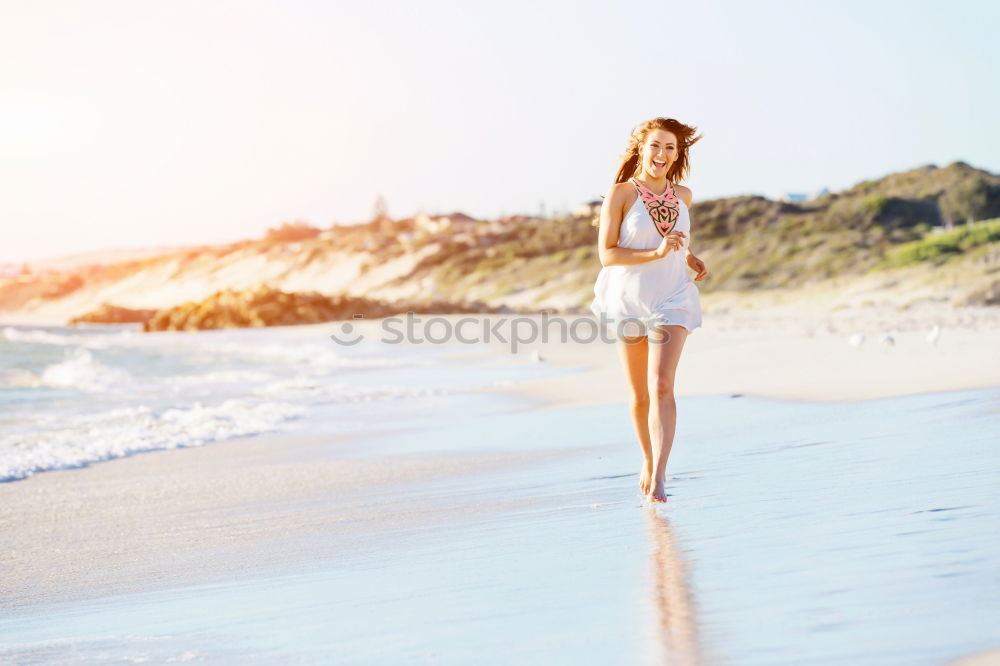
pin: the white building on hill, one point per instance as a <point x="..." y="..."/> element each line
<point x="801" y="197"/>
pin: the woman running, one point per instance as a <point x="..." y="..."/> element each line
<point x="644" y="290"/>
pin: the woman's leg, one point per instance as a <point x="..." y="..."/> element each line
<point x="664" y="353"/>
<point x="633" y="353"/>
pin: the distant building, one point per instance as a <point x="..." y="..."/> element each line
<point x="589" y="209"/>
<point x="801" y="197"/>
<point x="435" y="223"/>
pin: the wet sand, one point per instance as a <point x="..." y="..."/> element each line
<point x="796" y="532"/>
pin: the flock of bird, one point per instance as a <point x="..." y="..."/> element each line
<point x="887" y="340"/>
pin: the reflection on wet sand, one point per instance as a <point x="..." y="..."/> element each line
<point x="851" y="533"/>
<point x="676" y="630"/>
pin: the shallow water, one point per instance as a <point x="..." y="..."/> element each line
<point x="70" y="397"/>
<point x="795" y="533"/>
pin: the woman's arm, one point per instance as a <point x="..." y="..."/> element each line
<point x="693" y="262"/>
<point x="685" y="193"/>
<point x="607" y="235"/>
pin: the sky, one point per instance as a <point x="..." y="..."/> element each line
<point x="139" y="123"/>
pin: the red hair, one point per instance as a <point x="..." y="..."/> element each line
<point x="685" y="139"/>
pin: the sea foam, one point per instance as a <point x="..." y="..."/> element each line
<point x="121" y="432"/>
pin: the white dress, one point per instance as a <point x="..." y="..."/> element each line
<point x="639" y="297"/>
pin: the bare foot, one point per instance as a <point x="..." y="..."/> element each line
<point x="646" y="476"/>
<point x="657" y="494"/>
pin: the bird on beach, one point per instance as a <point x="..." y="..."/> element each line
<point x="856" y="340"/>
<point x="888" y="340"/>
<point x="933" y="336"/>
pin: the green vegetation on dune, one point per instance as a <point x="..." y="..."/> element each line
<point x="941" y="247"/>
<point x="750" y="242"/>
<point x="753" y="242"/>
<point x="920" y="217"/>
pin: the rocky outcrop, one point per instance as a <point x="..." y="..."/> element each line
<point x="114" y="314"/>
<point x="266" y="306"/>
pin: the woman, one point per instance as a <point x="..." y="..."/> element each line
<point x="644" y="287"/>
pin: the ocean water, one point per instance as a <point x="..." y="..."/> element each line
<point x="74" y="396"/>
<point x="795" y="533"/>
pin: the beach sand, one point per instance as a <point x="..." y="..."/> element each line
<point x="527" y="514"/>
<point x="796" y="353"/>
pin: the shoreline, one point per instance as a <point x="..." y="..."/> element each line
<point x="799" y="351"/>
<point x="472" y="548"/>
<point x="158" y="515"/>
<point x="468" y="515"/>
<point x="212" y="513"/>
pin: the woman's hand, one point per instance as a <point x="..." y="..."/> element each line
<point x="672" y="241"/>
<point x="696" y="264"/>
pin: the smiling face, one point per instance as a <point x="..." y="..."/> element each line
<point x="658" y="153"/>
